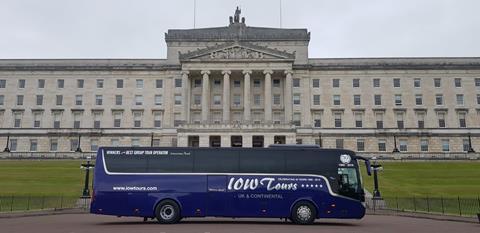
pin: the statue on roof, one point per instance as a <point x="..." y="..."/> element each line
<point x="236" y="18"/>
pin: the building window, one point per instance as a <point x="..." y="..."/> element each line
<point x="56" y="120"/>
<point x="33" y="145"/>
<point x="396" y="82"/>
<point x="59" y="100"/>
<point x="196" y="117"/>
<point x="441" y="119"/>
<point x="159" y="83"/>
<point x="21" y="83"/>
<point x="97" y="117"/>
<point x="376" y="82"/>
<point x="403" y="145"/>
<point x="119" y="83"/>
<point x="460" y="100"/>
<point x="382" y="145"/>
<point x="437" y="82"/>
<point x="217" y="82"/>
<point x="477" y="82"/>
<point x="360" y="144"/>
<point x="256" y="83"/>
<point x="297" y="119"/>
<point x="276" y="82"/>
<point x="37" y="116"/>
<point x="424" y="145"/>
<point x="139" y="83"/>
<point x="356" y="82"/>
<point x="41" y="83"/>
<point x="478" y="98"/>
<point x="296" y="98"/>
<point x="257" y="99"/>
<point x="98" y="99"/>
<point x="236" y="83"/>
<point x="197" y="99"/>
<point x="316" y="83"/>
<point x="276" y="99"/>
<point x="400" y="122"/>
<point x="117" y="119"/>
<point x="439" y="99"/>
<point x="356" y="100"/>
<point x="421" y="120"/>
<point x="379" y="120"/>
<point x="100" y="83"/>
<point x="78" y="100"/>
<point x="138" y="99"/>
<point x="156" y="142"/>
<point x="339" y="143"/>
<point x="462" y="120"/>
<point x="217" y="99"/>
<point x="358" y="120"/>
<point x="76" y="119"/>
<point x="157" y="119"/>
<point x="378" y="99"/>
<point x="3" y="83"/>
<point x="177" y="119"/>
<point x="53" y="145"/>
<point x="236" y="100"/>
<point x="338" y="120"/>
<point x="336" y="99"/>
<point x="135" y="142"/>
<point x="299" y="141"/>
<point x="39" y="99"/>
<point x="416" y="82"/>
<point x="317" y="120"/>
<point x="197" y="83"/>
<point x="60" y="83"/>
<point x="445" y="145"/>
<point x="2" y="100"/>
<point x="19" y="100"/>
<point x="458" y="82"/>
<point x="316" y="99"/>
<point x="114" y="142"/>
<point x="398" y="100"/>
<point x="466" y="145"/>
<point x="73" y="144"/>
<point x="93" y="144"/>
<point x="335" y="82"/>
<point x="296" y="82"/>
<point x="137" y="119"/>
<point x="418" y="99"/>
<point x="158" y="100"/>
<point x="277" y="118"/>
<point x="118" y="99"/>
<point x="13" y="144"/>
<point x="80" y="83"/>
<point x="178" y="82"/>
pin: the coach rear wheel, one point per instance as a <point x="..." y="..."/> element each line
<point x="303" y="213"/>
<point x="167" y="212"/>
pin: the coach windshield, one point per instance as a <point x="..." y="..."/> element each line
<point x="349" y="183"/>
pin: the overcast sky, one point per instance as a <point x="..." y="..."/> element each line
<point x="339" y="28"/>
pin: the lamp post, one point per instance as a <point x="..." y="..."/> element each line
<point x="7" y="149"/>
<point x="395" y="149"/>
<point x="470" y="148"/>
<point x="78" y="145"/>
<point x="87" y="166"/>
<point x="376" y="167"/>
<point x="151" y="141"/>
<point x="320" y="140"/>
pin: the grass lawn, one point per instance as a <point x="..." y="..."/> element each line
<point x="41" y="177"/>
<point x="435" y="179"/>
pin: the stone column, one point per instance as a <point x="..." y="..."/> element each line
<point x="226" y="96"/>
<point x="246" y="97"/>
<point x="205" y="96"/>
<point x="268" y="96"/>
<point x="186" y="93"/>
<point x="288" y="96"/>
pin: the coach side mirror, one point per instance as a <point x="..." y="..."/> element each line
<point x="368" y="167"/>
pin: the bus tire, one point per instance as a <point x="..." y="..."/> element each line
<point x="167" y="212"/>
<point x="303" y="213"/>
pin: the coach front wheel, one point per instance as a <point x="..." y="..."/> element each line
<point x="167" y="212"/>
<point x="303" y="213"/>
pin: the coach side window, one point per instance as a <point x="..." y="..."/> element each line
<point x="262" y="162"/>
<point x="211" y="161"/>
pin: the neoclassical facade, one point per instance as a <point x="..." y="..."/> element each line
<point x="241" y="86"/>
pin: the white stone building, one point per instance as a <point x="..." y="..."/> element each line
<point x="241" y="86"/>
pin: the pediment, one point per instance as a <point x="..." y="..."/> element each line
<point x="236" y="51"/>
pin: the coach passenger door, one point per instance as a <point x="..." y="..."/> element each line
<point x="217" y="195"/>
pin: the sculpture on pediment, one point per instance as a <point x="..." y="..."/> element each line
<point x="236" y="53"/>
<point x="236" y="18"/>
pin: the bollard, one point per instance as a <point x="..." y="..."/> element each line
<point x="459" y="206"/>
